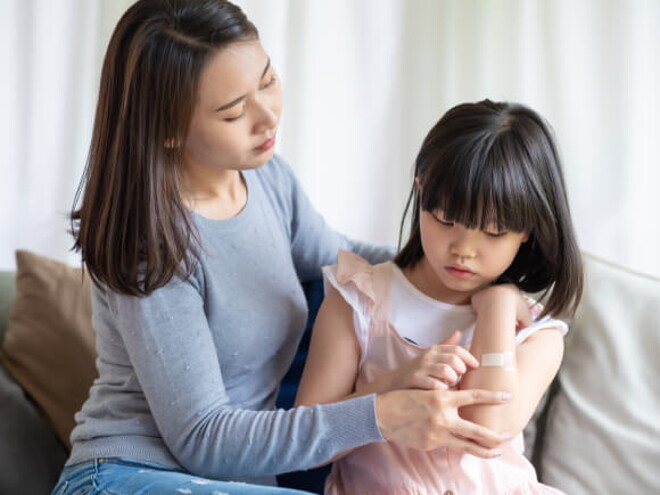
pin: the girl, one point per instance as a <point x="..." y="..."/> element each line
<point x="197" y="237"/>
<point x="490" y="219"/>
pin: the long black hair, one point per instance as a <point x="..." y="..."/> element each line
<point x="128" y="219"/>
<point x="497" y="162"/>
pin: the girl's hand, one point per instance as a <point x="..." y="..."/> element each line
<point x="437" y="368"/>
<point x="504" y="294"/>
<point x="428" y="419"/>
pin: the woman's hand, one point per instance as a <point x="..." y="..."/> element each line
<point x="428" y="419"/>
<point x="501" y="294"/>
<point x="438" y="368"/>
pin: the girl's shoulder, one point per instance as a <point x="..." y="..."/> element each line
<point x="538" y="322"/>
<point x="353" y="269"/>
<point x="352" y="277"/>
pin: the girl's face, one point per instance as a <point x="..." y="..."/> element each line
<point x="237" y="111"/>
<point x="458" y="261"/>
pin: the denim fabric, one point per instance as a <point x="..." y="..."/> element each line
<point x="122" y="477"/>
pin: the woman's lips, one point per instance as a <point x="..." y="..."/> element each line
<point x="268" y="144"/>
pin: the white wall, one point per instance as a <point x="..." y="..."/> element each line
<point x="364" y="80"/>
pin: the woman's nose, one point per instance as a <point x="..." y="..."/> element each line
<point x="268" y="114"/>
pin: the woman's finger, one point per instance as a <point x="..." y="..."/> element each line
<point x="475" y="449"/>
<point x="478" y="434"/>
<point x="478" y="396"/>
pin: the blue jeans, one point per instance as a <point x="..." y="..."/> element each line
<point x="115" y="476"/>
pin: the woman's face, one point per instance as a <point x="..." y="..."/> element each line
<point x="237" y="111"/>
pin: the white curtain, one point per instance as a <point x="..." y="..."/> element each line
<point x="51" y="52"/>
<point x="364" y="80"/>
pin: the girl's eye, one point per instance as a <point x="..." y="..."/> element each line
<point x="496" y="234"/>
<point x="442" y="221"/>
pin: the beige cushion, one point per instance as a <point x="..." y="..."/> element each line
<point x="49" y="345"/>
<point x="603" y="433"/>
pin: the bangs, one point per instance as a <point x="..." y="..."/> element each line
<point x="483" y="186"/>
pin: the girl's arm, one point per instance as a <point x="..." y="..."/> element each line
<point x="418" y="418"/>
<point x="333" y="356"/>
<point x="525" y="371"/>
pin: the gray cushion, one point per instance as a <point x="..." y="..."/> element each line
<point x="31" y="456"/>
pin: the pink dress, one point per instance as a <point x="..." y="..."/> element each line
<point x="385" y="468"/>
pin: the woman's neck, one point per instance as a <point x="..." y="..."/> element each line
<point x="217" y="196"/>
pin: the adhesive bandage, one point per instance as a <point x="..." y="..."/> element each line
<point x="497" y="359"/>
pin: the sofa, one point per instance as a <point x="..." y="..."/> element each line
<point x="597" y="430"/>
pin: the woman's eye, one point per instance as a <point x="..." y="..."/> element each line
<point x="232" y="119"/>
<point x="270" y="82"/>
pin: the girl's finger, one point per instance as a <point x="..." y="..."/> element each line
<point x="446" y="373"/>
<point x="459" y="351"/>
<point x="455" y="362"/>
<point x="453" y="339"/>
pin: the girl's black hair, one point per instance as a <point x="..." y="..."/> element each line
<point x="497" y="162"/>
<point x="128" y="219"/>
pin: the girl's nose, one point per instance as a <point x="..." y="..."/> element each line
<point x="464" y="243"/>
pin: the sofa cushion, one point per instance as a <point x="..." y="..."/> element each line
<point x="6" y="296"/>
<point x="602" y="432"/>
<point x="31" y="456"/>
<point x="49" y="343"/>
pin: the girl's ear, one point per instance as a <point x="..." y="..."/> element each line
<point x="417" y="182"/>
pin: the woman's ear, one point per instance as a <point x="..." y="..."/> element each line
<point x="171" y="143"/>
<point x="417" y="185"/>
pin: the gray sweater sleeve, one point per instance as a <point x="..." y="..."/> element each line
<point x="182" y="382"/>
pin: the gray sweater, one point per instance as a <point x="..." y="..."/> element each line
<point x="188" y="376"/>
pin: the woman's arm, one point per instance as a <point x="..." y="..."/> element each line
<point x="414" y="417"/>
<point x="525" y="371"/>
<point x="180" y="381"/>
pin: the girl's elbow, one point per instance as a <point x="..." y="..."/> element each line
<point x="502" y="418"/>
<point x="494" y="417"/>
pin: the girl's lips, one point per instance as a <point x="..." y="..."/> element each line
<point x="459" y="272"/>
<point x="268" y="144"/>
